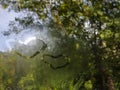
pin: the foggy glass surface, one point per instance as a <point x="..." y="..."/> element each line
<point x="33" y="51"/>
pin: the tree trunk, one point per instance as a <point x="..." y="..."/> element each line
<point x="103" y="80"/>
<point x="110" y="83"/>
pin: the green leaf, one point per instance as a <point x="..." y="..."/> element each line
<point x="100" y="13"/>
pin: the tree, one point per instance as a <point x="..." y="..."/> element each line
<point x="95" y="23"/>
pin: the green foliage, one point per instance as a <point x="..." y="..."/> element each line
<point x="93" y="52"/>
<point x="88" y="85"/>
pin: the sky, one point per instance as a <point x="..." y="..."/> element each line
<point x="5" y="17"/>
<point x="5" y="41"/>
<point x="25" y="36"/>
